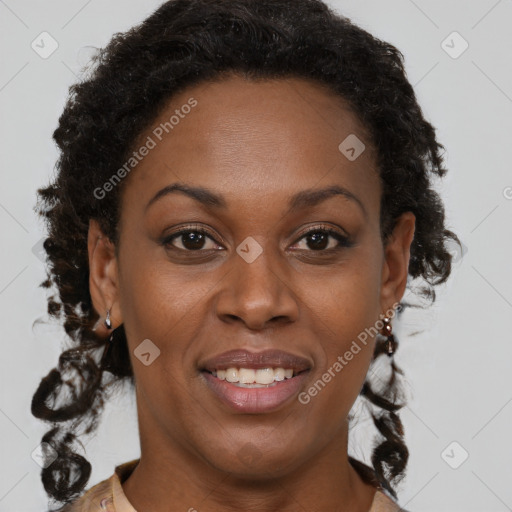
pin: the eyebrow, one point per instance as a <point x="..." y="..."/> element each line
<point x="304" y="199"/>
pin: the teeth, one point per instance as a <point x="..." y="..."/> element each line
<point x="250" y="376"/>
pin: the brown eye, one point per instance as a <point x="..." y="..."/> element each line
<point x="317" y="239"/>
<point x="191" y="239"/>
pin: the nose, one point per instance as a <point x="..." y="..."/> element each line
<point x="258" y="294"/>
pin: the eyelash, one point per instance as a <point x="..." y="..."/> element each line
<point x="343" y="240"/>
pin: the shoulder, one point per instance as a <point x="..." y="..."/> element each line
<point x="384" y="503"/>
<point x="97" y="498"/>
<point x="106" y="496"/>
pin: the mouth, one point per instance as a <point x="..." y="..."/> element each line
<point x="255" y="397"/>
<point x="255" y="383"/>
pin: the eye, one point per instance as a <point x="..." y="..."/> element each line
<point x="195" y="238"/>
<point x="191" y="238"/>
<point x="317" y="239"/>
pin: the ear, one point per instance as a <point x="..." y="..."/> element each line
<point x="396" y="264"/>
<point x="103" y="278"/>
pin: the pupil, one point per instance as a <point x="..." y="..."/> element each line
<point x="318" y="237"/>
<point x="195" y="240"/>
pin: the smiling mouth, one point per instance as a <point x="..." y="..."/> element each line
<point x="255" y="397"/>
<point x="247" y="382"/>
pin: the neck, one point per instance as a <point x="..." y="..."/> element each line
<point x="170" y="476"/>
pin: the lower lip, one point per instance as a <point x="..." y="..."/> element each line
<point x="255" y="400"/>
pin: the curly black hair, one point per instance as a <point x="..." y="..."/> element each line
<point x="186" y="42"/>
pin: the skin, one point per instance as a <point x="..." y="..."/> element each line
<point x="257" y="144"/>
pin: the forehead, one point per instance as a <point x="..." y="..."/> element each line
<point x="260" y="139"/>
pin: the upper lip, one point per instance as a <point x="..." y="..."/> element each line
<point x="240" y="358"/>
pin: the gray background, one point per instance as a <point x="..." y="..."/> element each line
<point x="457" y="368"/>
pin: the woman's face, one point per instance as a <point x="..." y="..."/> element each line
<point x="255" y="281"/>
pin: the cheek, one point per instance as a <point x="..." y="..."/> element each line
<point x="345" y="301"/>
<point x="169" y="306"/>
<point x="161" y="304"/>
<point x="335" y="385"/>
<point x="346" y="311"/>
<point x="158" y="299"/>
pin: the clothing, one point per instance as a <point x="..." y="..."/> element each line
<point x="108" y="495"/>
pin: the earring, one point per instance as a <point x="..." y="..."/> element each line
<point x="105" y="363"/>
<point x="108" y="322"/>
<point x="387" y="331"/>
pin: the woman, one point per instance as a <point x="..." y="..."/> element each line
<point x="244" y="190"/>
